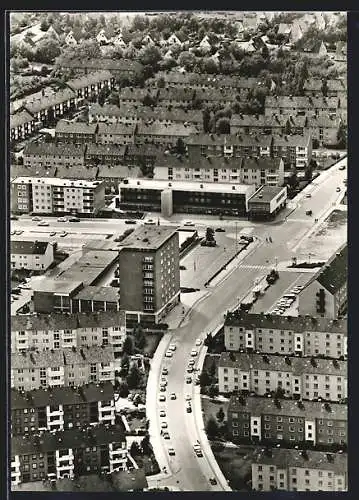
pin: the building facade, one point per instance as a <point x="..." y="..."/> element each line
<point x="33" y="255"/>
<point x="43" y="155"/>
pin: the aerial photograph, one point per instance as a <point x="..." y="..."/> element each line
<point x="178" y="251"/>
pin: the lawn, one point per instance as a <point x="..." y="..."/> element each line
<point x="210" y="408"/>
<point x="236" y="465"/>
<point x="152" y="341"/>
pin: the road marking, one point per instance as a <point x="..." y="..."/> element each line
<point x="258" y="267"/>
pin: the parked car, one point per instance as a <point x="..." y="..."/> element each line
<point x="164" y="425"/>
<point x="191" y="362"/>
<point x="342" y="167"/>
<point x="164" y="371"/>
<point x="171" y="451"/>
<point x="130" y="221"/>
<point x="194" y="352"/>
<point x="190" y="369"/>
<point x="166" y="435"/>
<point x="188" y="380"/>
<point x="173" y="396"/>
<point x="188" y="409"/>
<point x="172" y="347"/>
<point x="162" y="413"/>
<point x="309" y="212"/>
<point x="14" y="217"/>
<point x="213" y="481"/>
<point x="74" y="219"/>
<point x="36" y="219"/>
<point x="338" y="189"/>
<point x="161" y="398"/>
<point x="220" y="230"/>
<point x="53" y="233"/>
<point x="62" y="219"/>
<point x="169" y="354"/>
<point x="149" y="222"/>
<point x="198" y="342"/>
<point x="308" y="195"/>
<point x="188" y="397"/>
<point x="189" y="223"/>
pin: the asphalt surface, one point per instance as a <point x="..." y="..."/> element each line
<point x="185" y="469"/>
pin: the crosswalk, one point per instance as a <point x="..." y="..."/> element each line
<point x="256" y="267"/>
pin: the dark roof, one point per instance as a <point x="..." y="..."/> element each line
<point x="217" y="162"/>
<point x="229" y="140"/>
<point x="288" y="407"/>
<point x="105" y="149"/>
<point x="32" y="171"/>
<point x="52" y="149"/>
<point x="115" y="128"/>
<point x="126" y="65"/>
<point x="334" y="274"/>
<point x="76" y="172"/>
<point x="89" y="79"/>
<point x="118" y="172"/>
<point x="175" y="94"/>
<point x="144" y="150"/>
<point x="283" y="458"/>
<point x="298" y="366"/>
<point x="39" y="398"/>
<point x="136" y="93"/>
<point x="99" y="293"/>
<point x="106" y="109"/>
<point x="162" y="129"/>
<point x="266" y="194"/>
<point x="20" y="118"/>
<point x="148" y="237"/>
<point x="294" y="323"/>
<point x="29" y="247"/>
<point x="45" y="102"/>
<point x="58" y="321"/>
<point x="292" y="140"/>
<point x="305" y="102"/>
<point x="69" y="438"/>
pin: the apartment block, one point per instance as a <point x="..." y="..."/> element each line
<point x="59" y="408"/>
<point x="91" y="83"/>
<point x="325" y="295"/>
<point x="71" y="367"/>
<point x="115" y="133"/>
<point x="296" y="151"/>
<point x="149" y="273"/>
<point x="271" y="421"/>
<point x="64" y="454"/>
<point x="75" y="132"/>
<point x="306" y="105"/>
<point x="286" y="335"/>
<point x="48" y="154"/>
<point x="306" y="378"/>
<point x="33" y="255"/>
<point x="59" y="331"/>
<point x="163" y="134"/>
<point x="44" y="195"/>
<point x="22" y="125"/>
<point x="294" y="470"/>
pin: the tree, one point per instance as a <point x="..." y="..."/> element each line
<point x="210" y="234"/>
<point x="161" y="83"/>
<point x="146" y="446"/>
<point x="187" y="60"/>
<point x="140" y="338"/>
<point x="135" y="449"/>
<point x="150" y="56"/>
<point x="325" y="87"/>
<point x="342" y="137"/>
<point x="220" y="415"/>
<point x="128" y="345"/>
<point x="133" y="377"/>
<point x="209" y="65"/>
<point x="44" y="26"/>
<point x="223" y="126"/>
<point x="113" y="98"/>
<point x="204" y="379"/>
<point x="213" y="391"/>
<point x="180" y="146"/>
<point x="148" y="100"/>
<point x="123" y="390"/>
<point x="212" y="369"/>
<point x="206" y="118"/>
<point x="212" y="428"/>
<point x="47" y="50"/>
<point x="104" y="92"/>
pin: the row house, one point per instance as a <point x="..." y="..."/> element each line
<point x="228" y="146"/>
<point x="115" y="133"/>
<point x="166" y="135"/>
<point x="32" y="255"/>
<point x="258" y="171"/>
<point x="305" y="105"/>
<point x="78" y="133"/>
<point x="109" y="113"/>
<point x="214" y="97"/>
<point x="324" y="129"/>
<point x="175" y="97"/>
<point x="316" y="87"/>
<point x="117" y="67"/>
<point x="70" y="367"/>
<point x="104" y="154"/>
<point x="47" y="154"/>
<point x="326" y="295"/>
<point x="295" y="470"/>
<point x="47" y="108"/>
<point x="269" y="421"/>
<point x="270" y="125"/>
<point x="91" y="84"/>
<point x="306" y="378"/>
<point x="22" y="125"/>
<point x="60" y="408"/>
<point x="59" y="331"/>
<point x="296" y="151"/>
<point x="68" y="453"/>
<point x="45" y="195"/>
<point x="138" y="154"/>
<point x="286" y="335"/>
<point x="135" y="95"/>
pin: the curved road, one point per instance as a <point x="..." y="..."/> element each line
<point x="185" y="469"/>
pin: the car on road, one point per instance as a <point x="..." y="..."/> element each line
<point x="188" y="397"/>
<point x="19" y="231"/>
<point x="213" y="481"/>
<point x="74" y="219"/>
<point x="338" y="189"/>
<point x="162" y="388"/>
<point x="130" y="221"/>
<point x="191" y="362"/>
<point x="189" y="223"/>
<point x="197" y="381"/>
<point x="169" y="354"/>
<point x="171" y="451"/>
<point x="188" y="380"/>
<point x="172" y="347"/>
<point x="190" y="369"/>
<point x="194" y="352"/>
<point x="53" y="233"/>
<point x="342" y="167"/>
<point x="166" y="435"/>
<point x="308" y="195"/>
<point x="16" y="298"/>
<point x="309" y="212"/>
<point x="12" y="233"/>
<point x="164" y="371"/>
<point x="149" y="222"/>
<point x="24" y="287"/>
<point x="36" y="219"/>
<point x="164" y="425"/>
<point x="198" y="342"/>
<point x="62" y="219"/>
<point x="14" y="217"/>
<point x="199" y="453"/>
<point x="162" y="413"/>
<point x="189" y="408"/>
<point x="220" y="230"/>
<point x="163" y="381"/>
<point x="173" y="396"/>
<point x="62" y="235"/>
<point x="161" y="398"/>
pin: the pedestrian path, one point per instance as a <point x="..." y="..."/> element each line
<point x="257" y="267"/>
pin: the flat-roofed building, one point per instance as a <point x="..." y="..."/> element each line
<point x="96" y="298"/>
<point x="149" y="273"/>
<point x="267" y="202"/>
<point x="185" y="197"/>
<point x="286" y="335"/>
<point x="306" y="378"/>
<point x="294" y="470"/>
<point x="270" y="420"/>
